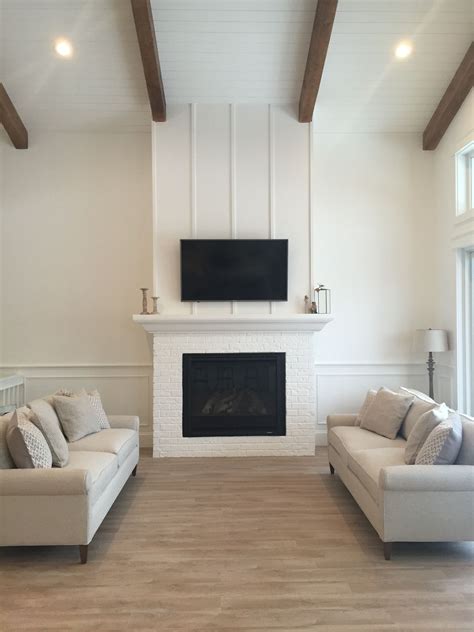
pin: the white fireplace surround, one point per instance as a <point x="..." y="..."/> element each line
<point x="292" y="334"/>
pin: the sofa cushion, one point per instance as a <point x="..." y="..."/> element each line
<point x="6" y="461"/>
<point x="425" y="424"/>
<point x="466" y="453"/>
<point x="47" y="421"/>
<point x="348" y="439"/>
<point x="419" y="406"/>
<point x="102" y="466"/>
<point x="78" y="418"/>
<point x="366" y="465"/>
<point x="386" y="413"/>
<point x="119" y="441"/>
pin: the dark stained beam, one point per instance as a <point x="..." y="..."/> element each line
<point x="143" y="17"/>
<point x="318" y="48"/>
<point x="453" y="98"/>
<point x="11" y="121"/>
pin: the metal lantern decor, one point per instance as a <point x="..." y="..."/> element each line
<point x="322" y="298"/>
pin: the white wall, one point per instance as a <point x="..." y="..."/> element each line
<point x="76" y="248"/>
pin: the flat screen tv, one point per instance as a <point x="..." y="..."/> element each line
<point x="234" y="269"/>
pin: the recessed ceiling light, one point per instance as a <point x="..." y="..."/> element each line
<point x="403" y="50"/>
<point x="63" y="47"/>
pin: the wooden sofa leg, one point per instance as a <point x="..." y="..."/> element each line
<point x="331" y="468"/>
<point x="83" y="550"/>
<point x="134" y="471"/>
<point x="387" y="550"/>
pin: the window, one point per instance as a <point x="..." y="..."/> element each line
<point x="464" y="184"/>
<point x="465" y="330"/>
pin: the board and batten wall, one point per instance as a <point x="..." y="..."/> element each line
<point x="76" y="247"/>
<point x="355" y="208"/>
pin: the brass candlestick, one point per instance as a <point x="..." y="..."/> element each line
<point x="144" y="300"/>
<point x="155" y="304"/>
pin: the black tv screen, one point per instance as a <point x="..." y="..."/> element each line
<point x="234" y="269"/>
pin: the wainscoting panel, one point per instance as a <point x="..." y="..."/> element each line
<point x="125" y="389"/>
<point x="341" y="388"/>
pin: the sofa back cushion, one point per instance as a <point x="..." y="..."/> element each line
<point x="386" y="413"/>
<point x="47" y="421"/>
<point x="6" y="461"/>
<point x="466" y="453"/>
<point x="421" y="404"/>
<point x="423" y="427"/>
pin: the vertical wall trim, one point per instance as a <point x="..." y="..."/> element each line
<point x="154" y="194"/>
<point x="311" y="208"/>
<point x="271" y="178"/>
<point x="192" y="145"/>
<point x="232" y="181"/>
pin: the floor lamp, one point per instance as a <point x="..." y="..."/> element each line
<point x="431" y="341"/>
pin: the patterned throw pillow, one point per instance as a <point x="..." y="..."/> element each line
<point x="96" y="403"/>
<point x="6" y="461"/>
<point x="421" y="431"/>
<point x="28" y="447"/>
<point x="443" y="443"/>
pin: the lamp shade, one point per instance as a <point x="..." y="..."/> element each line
<point x="431" y="340"/>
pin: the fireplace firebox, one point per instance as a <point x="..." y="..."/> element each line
<point x="234" y="394"/>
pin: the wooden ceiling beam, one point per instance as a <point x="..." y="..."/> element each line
<point x="453" y="98"/>
<point x="145" y="28"/>
<point x="11" y="121"/>
<point x="318" y="48"/>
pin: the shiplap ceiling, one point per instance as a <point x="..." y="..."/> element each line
<point x="237" y="51"/>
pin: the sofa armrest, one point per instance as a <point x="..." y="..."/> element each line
<point x="132" y="422"/>
<point x="37" y="482"/>
<point x="427" y="478"/>
<point x="342" y="419"/>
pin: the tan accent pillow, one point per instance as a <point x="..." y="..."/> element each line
<point x="28" y="447"/>
<point x="386" y="413"/>
<point x="47" y="421"/>
<point x="78" y="418"/>
<point x="421" y="404"/>
<point x="6" y="461"/>
<point x="425" y="424"/>
<point x="369" y="398"/>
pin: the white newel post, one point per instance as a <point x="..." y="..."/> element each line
<point x="292" y="334"/>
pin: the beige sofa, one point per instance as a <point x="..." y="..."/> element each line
<point x="64" y="506"/>
<point x="404" y="503"/>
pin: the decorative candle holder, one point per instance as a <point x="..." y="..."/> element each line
<point x="144" y="301"/>
<point x="322" y="297"/>
<point x="155" y="304"/>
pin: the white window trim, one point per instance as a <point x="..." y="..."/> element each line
<point x="465" y="342"/>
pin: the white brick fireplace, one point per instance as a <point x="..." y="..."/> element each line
<point x="173" y="336"/>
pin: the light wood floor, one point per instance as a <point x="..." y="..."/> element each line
<point x="260" y="544"/>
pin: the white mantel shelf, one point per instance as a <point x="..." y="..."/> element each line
<point x="163" y="323"/>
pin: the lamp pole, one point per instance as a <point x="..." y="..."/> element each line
<point x="431" y="365"/>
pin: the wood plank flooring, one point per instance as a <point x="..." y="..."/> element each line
<point x="255" y="544"/>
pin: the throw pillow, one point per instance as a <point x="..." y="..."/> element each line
<point x="6" y="461"/>
<point x="443" y="443"/>
<point x="78" y="418"/>
<point x="47" y="421"/>
<point x="386" y="413"/>
<point x="466" y="453"/>
<point x="96" y="403"/>
<point x="369" y="398"/>
<point x="423" y="427"/>
<point x="28" y="447"/>
<point x="417" y="409"/>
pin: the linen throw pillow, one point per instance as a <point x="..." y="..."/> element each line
<point x="420" y="406"/>
<point x="96" y="403"/>
<point x="423" y="427"/>
<point x="443" y="443"/>
<point x="46" y="419"/>
<point x="466" y="453"/>
<point x="27" y="445"/>
<point x="78" y="418"/>
<point x="369" y="398"/>
<point x="6" y="461"/>
<point x="386" y="413"/>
